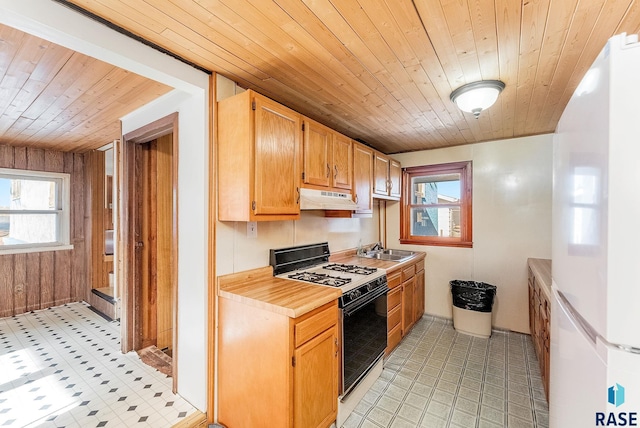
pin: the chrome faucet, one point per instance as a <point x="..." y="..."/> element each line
<point x="376" y="246"/>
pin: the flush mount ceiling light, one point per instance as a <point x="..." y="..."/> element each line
<point x="477" y="96"/>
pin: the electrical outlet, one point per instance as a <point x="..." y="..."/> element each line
<point x="19" y="288"/>
<point x="252" y="229"/>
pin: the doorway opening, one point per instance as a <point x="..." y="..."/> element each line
<point x="147" y="243"/>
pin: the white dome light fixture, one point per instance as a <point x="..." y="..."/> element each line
<point x="477" y="96"/>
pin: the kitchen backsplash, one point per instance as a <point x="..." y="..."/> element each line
<point x="236" y="252"/>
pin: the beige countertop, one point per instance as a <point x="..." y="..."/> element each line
<point x="258" y="287"/>
<point x="541" y="268"/>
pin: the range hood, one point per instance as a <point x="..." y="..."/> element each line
<point x="311" y="199"/>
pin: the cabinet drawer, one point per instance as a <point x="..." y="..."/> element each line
<point x="394" y="279"/>
<point x="311" y="327"/>
<point x="394" y="318"/>
<point x="393" y="338"/>
<point x="408" y="272"/>
<point x="394" y="298"/>
<point x="420" y="265"/>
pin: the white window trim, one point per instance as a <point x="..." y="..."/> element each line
<point x="64" y="218"/>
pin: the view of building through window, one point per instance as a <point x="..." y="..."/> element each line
<point x="439" y="196"/>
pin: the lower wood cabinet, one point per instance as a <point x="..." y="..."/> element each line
<point x="405" y="301"/>
<point x="276" y="371"/>
<point x="540" y="314"/>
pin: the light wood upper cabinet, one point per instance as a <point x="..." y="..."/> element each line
<point x="387" y="177"/>
<point x="363" y="177"/>
<point x="328" y="158"/>
<point x="342" y="155"/>
<point x="317" y="154"/>
<point x="395" y="179"/>
<point x="259" y="159"/>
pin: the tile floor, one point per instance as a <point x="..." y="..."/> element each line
<point x="439" y="378"/>
<point x="62" y="367"/>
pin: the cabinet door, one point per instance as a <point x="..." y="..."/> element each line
<point x="419" y="298"/>
<point x="408" y="310"/>
<point x="315" y="381"/>
<point x="363" y="177"/>
<point x="317" y="154"/>
<point x="277" y="158"/>
<point x="395" y="179"/>
<point x="381" y="175"/>
<point x="342" y="155"/>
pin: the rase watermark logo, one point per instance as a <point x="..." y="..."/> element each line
<point x="615" y="397"/>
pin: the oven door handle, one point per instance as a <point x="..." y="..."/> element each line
<point x="365" y="300"/>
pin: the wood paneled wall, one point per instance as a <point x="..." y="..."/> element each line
<point x="32" y="281"/>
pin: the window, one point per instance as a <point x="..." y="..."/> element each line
<point x="34" y="211"/>
<point x="436" y="205"/>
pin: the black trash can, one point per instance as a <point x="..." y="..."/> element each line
<point x="472" y="306"/>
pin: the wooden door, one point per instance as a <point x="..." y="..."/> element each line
<point x="395" y="179"/>
<point x="278" y="136"/>
<point x="153" y="242"/>
<point x="363" y="177"/>
<point x="315" y="392"/>
<point x="317" y="154"/>
<point x="342" y="155"/>
<point x="381" y="175"/>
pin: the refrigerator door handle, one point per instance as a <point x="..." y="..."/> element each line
<point x="589" y="331"/>
<point x="586" y="328"/>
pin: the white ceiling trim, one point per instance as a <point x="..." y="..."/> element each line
<point x="61" y="25"/>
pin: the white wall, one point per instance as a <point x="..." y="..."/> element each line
<point x="61" y="25"/>
<point x="193" y="185"/>
<point x="512" y="183"/>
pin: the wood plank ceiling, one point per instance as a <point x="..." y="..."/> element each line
<point x="382" y="70"/>
<point x="58" y="99"/>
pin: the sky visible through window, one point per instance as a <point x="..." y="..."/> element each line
<point x="449" y="188"/>
<point x="5" y="190"/>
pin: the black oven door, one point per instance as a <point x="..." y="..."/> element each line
<point x="364" y="337"/>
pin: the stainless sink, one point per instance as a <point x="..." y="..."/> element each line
<point x="389" y="255"/>
<point x="402" y="253"/>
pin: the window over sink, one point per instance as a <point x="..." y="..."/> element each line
<point x="436" y="205"/>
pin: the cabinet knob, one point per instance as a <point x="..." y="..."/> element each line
<point x="336" y="174"/>
<point x="328" y="170"/>
<point x="298" y="190"/>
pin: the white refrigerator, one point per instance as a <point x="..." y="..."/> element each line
<point x="595" y="312"/>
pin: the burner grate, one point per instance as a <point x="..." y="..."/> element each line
<point x="360" y="270"/>
<point x="319" y="278"/>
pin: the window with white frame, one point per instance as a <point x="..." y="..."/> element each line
<point x="34" y="210"/>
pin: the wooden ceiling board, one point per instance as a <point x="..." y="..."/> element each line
<point x="55" y="98"/>
<point x="376" y="70"/>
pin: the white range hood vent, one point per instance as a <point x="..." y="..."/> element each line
<point x="311" y="199"/>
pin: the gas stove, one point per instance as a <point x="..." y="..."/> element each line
<point x="310" y="263"/>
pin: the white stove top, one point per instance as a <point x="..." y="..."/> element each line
<point x="345" y="277"/>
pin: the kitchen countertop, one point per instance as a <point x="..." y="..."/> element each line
<point x="541" y="268"/>
<point x="258" y="287"/>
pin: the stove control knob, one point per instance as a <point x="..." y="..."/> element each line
<point x="354" y="294"/>
<point x="370" y="286"/>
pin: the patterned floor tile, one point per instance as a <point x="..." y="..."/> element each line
<point x="66" y="369"/>
<point x="438" y="378"/>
